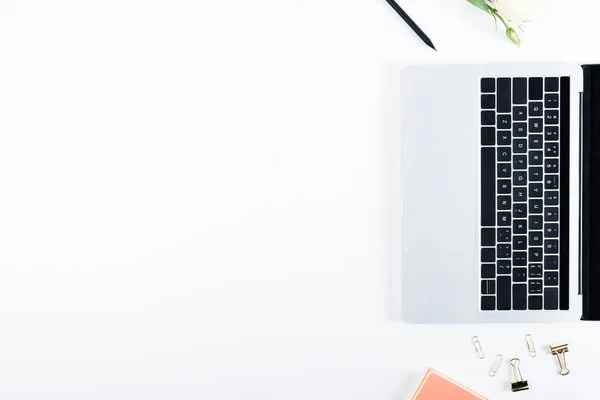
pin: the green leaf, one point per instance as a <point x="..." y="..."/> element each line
<point x="481" y="4"/>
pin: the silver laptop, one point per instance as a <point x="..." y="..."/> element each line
<point x="491" y="193"/>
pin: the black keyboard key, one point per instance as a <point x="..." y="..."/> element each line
<point x="551" y="150"/>
<point x="520" y="178"/>
<point x="520" y="113"/>
<point x="551" y="198"/>
<point x="519" y="210"/>
<point x="520" y="242"/>
<point x="504" y="95"/>
<point x="535" y="270"/>
<point x="536" y="254"/>
<point x="551" y="299"/>
<point x="488" y="255"/>
<point x="551" y="84"/>
<point x="504" y="154"/>
<point x="551" y="246"/>
<point x="535" y="124"/>
<point x="520" y="194"/>
<point x="536" y="206"/>
<point x="536" y="142"/>
<point x="488" y="85"/>
<point x="536" y="222"/>
<point x="536" y="286"/>
<point x="551" y="230"/>
<point x="504" y="186"/>
<point x="520" y="90"/>
<point x="520" y="146"/>
<point x="488" y="237"/>
<point x="488" y="136"/>
<point x="520" y="227"/>
<point x="551" y="117"/>
<point x="551" y="263"/>
<point x="488" y="186"/>
<point x="504" y="267"/>
<point x="504" y="203"/>
<point x="520" y="129"/>
<point x="536" y="238"/>
<point x="536" y="109"/>
<point x="520" y="296"/>
<point x="551" y="100"/>
<point x="535" y="302"/>
<point x="536" y="174"/>
<point x="551" y="278"/>
<point x="536" y="157"/>
<point x="488" y="101"/>
<point x="536" y="190"/>
<point x="551" y="214"/>
<point x="488" y="303"/>
<point x="551" y="133"/>
<point x="504" y="138"/>
<point x="536" y="89"/>
<point x="504" y="235"/>
<point x="519" y="161"/>
<point x="488" y="118"/>
<point x="503" y="218"/>
<point x="504" y="170"/>
<point x="503" y="250"/>
<point x="551" y="182"/>
<point x="551" y="165"/>
<point x="488" y="287"/>
<point x="519" y="259"/>
<point x="488" y="271"/>
<point x="504" y="292"/>
<point x="504" y="121"/>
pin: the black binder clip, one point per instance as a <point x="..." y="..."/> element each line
<point x="519" y="384"/>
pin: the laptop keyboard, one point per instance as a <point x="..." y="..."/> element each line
<point x="524" y="193"/>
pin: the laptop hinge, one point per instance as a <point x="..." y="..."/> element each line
<point x="589" y="113"/>
<point x="581" y="197"/>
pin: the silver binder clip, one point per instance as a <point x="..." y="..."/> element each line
<point x="496" y="365"/>
<point x="559" y="351"/>
<point x="518" y="384"/>
<point x="530" y="345"/>
<point x="478" y="348"/>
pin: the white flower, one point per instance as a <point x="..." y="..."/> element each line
<point x="517" y="11"/>
<point x="513" y="14"/>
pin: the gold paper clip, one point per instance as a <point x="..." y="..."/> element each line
<point x="496" y="365"/>
<point x="530" y="345"/>
<point x="478" y="348"/>
<point x="519" y="384"/>
<point x="559" y="351"/>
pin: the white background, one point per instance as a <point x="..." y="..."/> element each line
<point x="193" y="200"/>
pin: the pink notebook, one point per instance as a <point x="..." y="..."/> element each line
<point x="436" y="386"/>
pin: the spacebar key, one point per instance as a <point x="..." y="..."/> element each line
<point x="504" y="291"/>
<point x="488" y="186"/>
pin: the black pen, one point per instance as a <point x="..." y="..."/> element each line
<point x="411" y="23"/>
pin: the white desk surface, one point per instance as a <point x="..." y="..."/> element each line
<point x="194" y="200"/>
